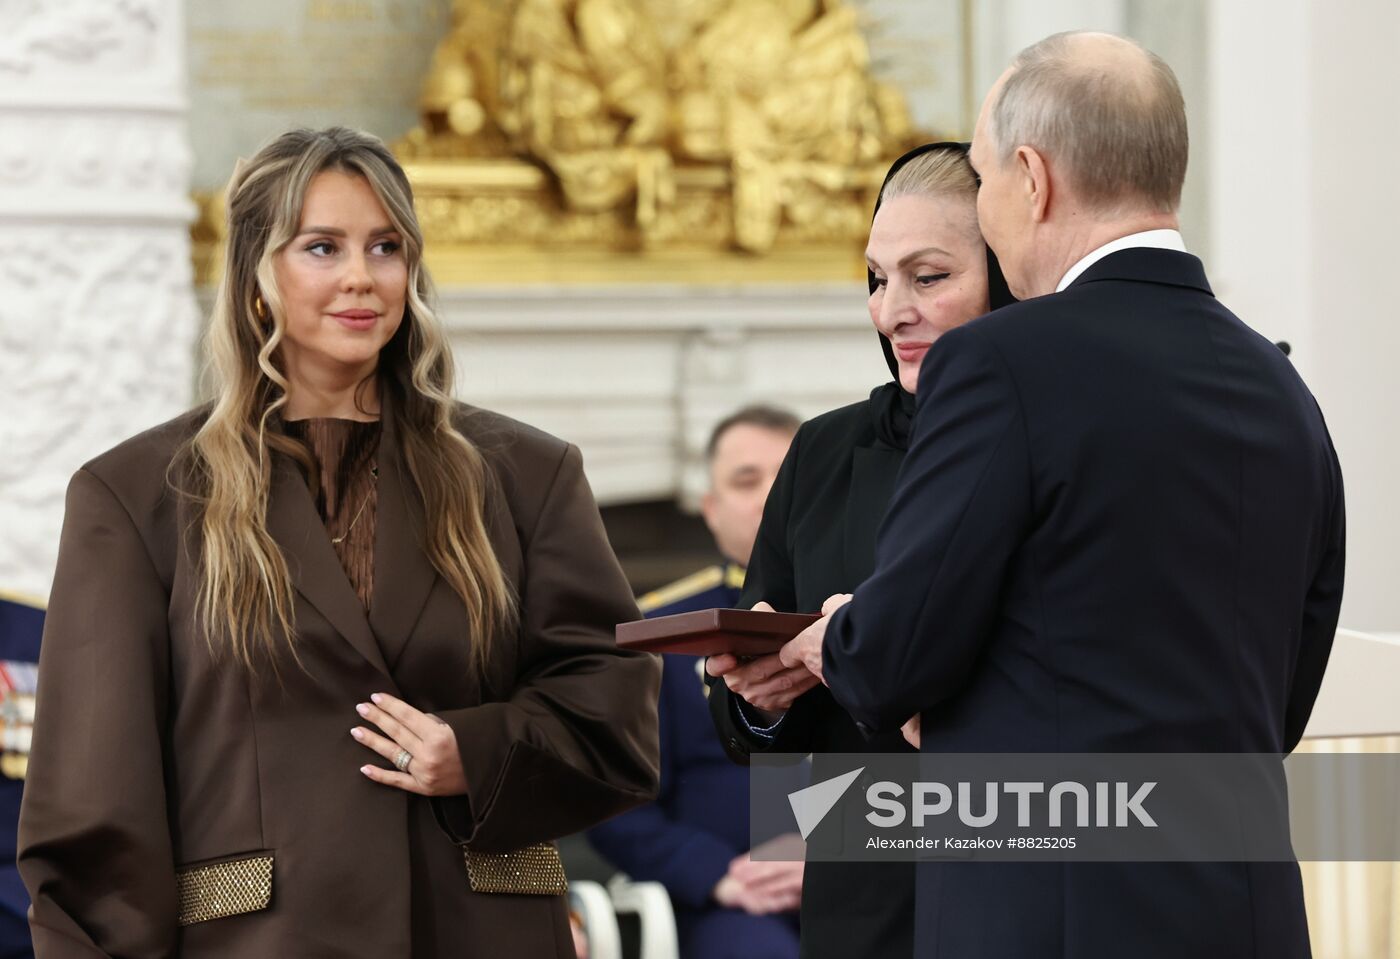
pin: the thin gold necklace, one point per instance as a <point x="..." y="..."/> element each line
<point x="337" y="540"/>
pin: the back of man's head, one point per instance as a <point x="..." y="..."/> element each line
<point x="1106" y="111"/>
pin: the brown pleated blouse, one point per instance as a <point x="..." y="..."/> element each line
<point x="344" y="451"/>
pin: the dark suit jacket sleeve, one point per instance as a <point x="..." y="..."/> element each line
<point x="648" y="843"/>
<point x="961" y="507"/>
<point x="1321" y="608"/>
<point x="94" y="845"/>
<point x="575" y="741"/>
<point x="769" y="579"/>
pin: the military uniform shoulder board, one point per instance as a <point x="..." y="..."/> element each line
<point x="707" y="578"/>
<point x="734" y="576"/>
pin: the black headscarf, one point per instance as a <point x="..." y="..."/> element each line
<point x="892" y="406"/>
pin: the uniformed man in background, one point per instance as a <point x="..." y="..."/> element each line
<point x="744" y="453"/>
<point x="694" y="839"/>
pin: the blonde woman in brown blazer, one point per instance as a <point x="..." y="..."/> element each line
<point x="329" y="662"/>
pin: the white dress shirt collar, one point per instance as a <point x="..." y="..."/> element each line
<point x="1152" y="239"/>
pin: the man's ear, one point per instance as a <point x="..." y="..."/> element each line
<point x="1034" y="176"/>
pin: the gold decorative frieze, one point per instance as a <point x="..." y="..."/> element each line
<point x="569" y="141"/>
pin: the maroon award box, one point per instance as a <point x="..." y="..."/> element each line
<point x="708" y="632"/>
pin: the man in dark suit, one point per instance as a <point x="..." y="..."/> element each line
<point x="1119" y="527"/>
<point x="694" y="838"/>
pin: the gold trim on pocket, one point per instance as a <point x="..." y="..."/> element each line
<point x="532" y="871"/>
<point x="224" y="889"/>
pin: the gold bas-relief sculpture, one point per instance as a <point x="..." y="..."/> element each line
<point x="649" y="140"/>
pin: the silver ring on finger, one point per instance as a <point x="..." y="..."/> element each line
<point x="402" y="760"/>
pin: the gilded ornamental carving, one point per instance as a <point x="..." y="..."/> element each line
<point x="718" y="126"/>
<point x="664" y="140"/>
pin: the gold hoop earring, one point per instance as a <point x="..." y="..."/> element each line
<point x="259" y="309"/>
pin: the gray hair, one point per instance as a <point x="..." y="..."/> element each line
<point x="1122" y="139"/>
<point x="939" y="174"/>
<point x="935" y="173"/>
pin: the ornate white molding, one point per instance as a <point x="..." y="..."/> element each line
<point x="94" y="165"/>
<point x="90" y="40"/>
<point x="96" y="336"/>
<point x="653" y="308"/>
<point x="638" y="375"/>
<point x="97" y="323"/>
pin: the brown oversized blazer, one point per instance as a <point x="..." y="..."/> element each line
<point x="167" y="785"/>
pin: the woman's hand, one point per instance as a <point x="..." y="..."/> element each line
<point x="433" y="766"/>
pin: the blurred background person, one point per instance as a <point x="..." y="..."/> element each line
<point x="929" y="272"/>
<point x="742" y="456"/>
<point x="694" y="839"/>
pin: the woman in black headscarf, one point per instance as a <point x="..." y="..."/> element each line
<point x="929" y="271"/>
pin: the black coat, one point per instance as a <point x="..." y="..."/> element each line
<point x="818" y="538"/>
<point x="1119" y="528"/>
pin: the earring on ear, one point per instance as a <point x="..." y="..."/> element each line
<point x="259" y="308"/>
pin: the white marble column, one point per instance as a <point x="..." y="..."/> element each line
<point x="97" y="316"/>
<point x="1304" y="220"/>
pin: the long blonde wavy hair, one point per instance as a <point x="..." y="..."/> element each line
<point x="244" y="602"/>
